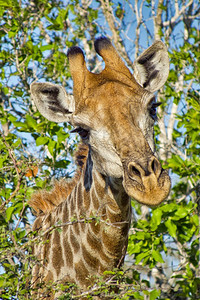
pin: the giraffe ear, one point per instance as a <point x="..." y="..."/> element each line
<point x="151" y="68"/>
<point x="52" y="101"/>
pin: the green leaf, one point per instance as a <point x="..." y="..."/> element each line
<point x="134" y="247"/>
<point x="3" y="159"/>
<point x="171" y="227"/>
<point x="32" y="123"/>
<point x="62" y="136"/>
<point x="46" y="47"/>
<point x="42" y="140"/>
<point x="195" y="219"/>
<point x="154" y="294"/>
<point x="156" y="219"/>
<point x="180" y="213"/>
<point x="63" y="163"/>
<point x="51" y="147"/>
<point x="9" y="213"/>
<point x="141" y="256"/>
<point x="138" y="296"/>
<point x="157" y="256"/>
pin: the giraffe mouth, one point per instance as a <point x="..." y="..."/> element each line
<point x="150" y="185"/>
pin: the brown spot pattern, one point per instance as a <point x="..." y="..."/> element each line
<point x="57" y="259"/>
<point x="92" y="261"/>
<point x="82" y="274"/>
<point x="68" y="251"/>
<point x="74" y="241"/>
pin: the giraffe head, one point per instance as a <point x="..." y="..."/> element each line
<point x="114" y="112"/>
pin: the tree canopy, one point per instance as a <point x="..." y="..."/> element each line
<point x="163" y="251"/>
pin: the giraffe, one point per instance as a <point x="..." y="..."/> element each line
<point x="114" y="113"/>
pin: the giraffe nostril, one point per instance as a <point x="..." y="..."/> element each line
<point x="155" y="166"/>
<point x="133" y="170"/>
<point x="136" y="171"/>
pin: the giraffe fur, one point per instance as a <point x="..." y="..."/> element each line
<point x="82" y="224"/>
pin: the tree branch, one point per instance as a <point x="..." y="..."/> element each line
<point x="107" y="10"/>
<point x="178" y="13"/>
<point x="20" y="175"/>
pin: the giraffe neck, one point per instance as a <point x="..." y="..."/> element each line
<point x="99" y="243"/>
<point x="95" y="220"/>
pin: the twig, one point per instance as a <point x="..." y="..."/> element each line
<point x="107" y="10"/>
<point x="19" y="175"/>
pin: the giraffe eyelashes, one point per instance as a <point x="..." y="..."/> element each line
<point x="84" y="134"/>
<point x="153" y="111"/>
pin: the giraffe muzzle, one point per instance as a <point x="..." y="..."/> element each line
<point x="149" y="184"/>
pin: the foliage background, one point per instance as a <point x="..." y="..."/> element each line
<point x="163" y="252"/>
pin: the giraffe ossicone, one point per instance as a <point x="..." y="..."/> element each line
<point x="114" y="113"/>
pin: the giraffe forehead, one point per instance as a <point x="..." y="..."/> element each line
<point x="112" y="120"/>
<point x="111" y="101"/>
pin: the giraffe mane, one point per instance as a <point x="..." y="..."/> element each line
<point x="44" y="201"/>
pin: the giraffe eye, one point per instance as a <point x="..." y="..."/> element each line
<point x="153" y="111"/>
<point x="84" y="134"/>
